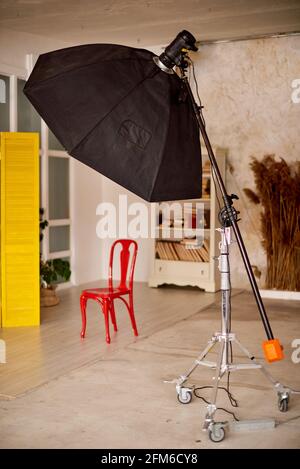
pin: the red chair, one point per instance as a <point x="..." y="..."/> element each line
<point x="107" y="296"/>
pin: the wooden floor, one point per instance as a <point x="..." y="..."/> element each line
<point x="37" y="355"/>
<point x="88" y="394"/>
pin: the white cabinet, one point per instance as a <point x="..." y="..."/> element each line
<point x="172" y="262"/>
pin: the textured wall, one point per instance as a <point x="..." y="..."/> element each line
<point x="246" y="90"/>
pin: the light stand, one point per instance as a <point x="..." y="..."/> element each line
<point x="175" y="54"/>
<point x="224" y="365"/>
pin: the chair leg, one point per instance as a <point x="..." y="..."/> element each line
<point x="113" y="315"/>
<point x="83" y="301"/>
<point x="131" y="314"/>
<point x="105" y="308"/>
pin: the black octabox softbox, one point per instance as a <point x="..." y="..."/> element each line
<point x="113" y="109"/>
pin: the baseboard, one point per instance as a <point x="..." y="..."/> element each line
<point x="64" y="285"/>
<point x="280" y="294"/>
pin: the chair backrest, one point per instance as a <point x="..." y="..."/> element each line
<point x="127" y="263"/>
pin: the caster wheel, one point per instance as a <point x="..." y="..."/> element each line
<point x="216" y="434"/>
<point x="185" y="397"/>
<point x="283" y="404"/>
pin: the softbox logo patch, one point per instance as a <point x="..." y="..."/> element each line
<point x="135" y="134"/>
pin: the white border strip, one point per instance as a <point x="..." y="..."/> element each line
<point x="13" y="103"/>
<point x="58" y="153"/>
<point x="59" y="254"/>
<point x="60" y="222"/>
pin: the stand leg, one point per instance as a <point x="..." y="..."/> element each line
<point x="184" y="394"/>
<point x="211" y="408"/>
<point x="283" y="392"/>
<point x="259" y="365"/>
<point x="183" y="378"/>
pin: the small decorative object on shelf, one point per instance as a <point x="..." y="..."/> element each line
<point x="186" y="255"/>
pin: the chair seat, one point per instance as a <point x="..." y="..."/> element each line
<point x="105" y="292"/>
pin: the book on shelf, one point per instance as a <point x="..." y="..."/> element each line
<point x="185" y="250"/>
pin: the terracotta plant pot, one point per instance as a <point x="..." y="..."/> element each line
<point x="49" y="297"/>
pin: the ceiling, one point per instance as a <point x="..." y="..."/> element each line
<point x="149" y="22"/>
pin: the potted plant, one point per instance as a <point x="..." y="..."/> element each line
<point x="50" y="272"/>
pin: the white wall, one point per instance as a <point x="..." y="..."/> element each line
<point x="246" y="90"/>
<point x="110" y="193"/>
<point x="86" y="193"/>
<point x="15" y="45"/>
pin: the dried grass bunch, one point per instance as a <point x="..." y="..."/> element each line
<point x="278" y="193"/>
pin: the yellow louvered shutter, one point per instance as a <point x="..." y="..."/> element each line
<point x="20" y="229"/>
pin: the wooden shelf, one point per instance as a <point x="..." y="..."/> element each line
<point x="190" y="271"/>
<point x="177" y="233"/>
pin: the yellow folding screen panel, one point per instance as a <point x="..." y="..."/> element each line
<point x="20" y="229"/>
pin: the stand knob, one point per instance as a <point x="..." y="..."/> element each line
<point x="225" y="216"/>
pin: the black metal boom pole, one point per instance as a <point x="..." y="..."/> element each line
<point x="231" y="213"/>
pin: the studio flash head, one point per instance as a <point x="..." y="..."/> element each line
<point x="174" y="52"/>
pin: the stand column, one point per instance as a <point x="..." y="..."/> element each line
<point x="224" y="269"/>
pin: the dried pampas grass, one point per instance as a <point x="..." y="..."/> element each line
<point x="278" y="192"/>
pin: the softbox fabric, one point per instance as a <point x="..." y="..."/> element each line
<point x="113" y="109"/>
